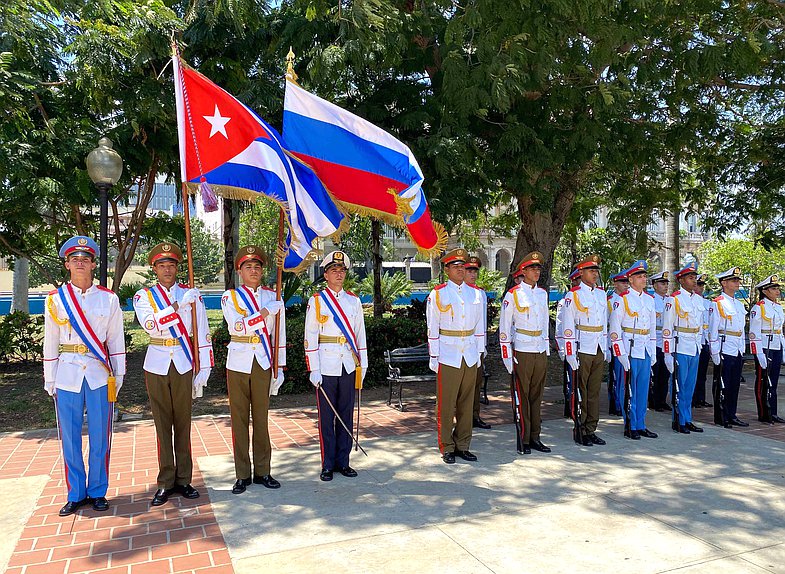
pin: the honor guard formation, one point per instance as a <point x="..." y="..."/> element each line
<point x="658" y="345"/>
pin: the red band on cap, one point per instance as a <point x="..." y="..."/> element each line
<point x="245" y="258"/>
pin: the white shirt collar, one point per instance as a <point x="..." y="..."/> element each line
<point x="336" y="293"/>
<point x="454" y="285"/>
<point x="90" y="289"/>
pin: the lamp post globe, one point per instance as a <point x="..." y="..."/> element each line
<point x="104" y="166"/>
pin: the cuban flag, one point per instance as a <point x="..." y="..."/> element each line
<point x="366" y="169"/>
<point x="225" y="146"/>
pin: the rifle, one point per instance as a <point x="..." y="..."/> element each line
<point x="675" y="384"/>
<point x="628" y="386"/>
<point x="575" y="398"/>
<point x="718" y="385"/>
<point x="516" y="410"/>
<point x="765" y="409"/>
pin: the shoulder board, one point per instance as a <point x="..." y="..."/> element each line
<point x="105" y="289"/>
<point x="352" y="294"/>
<point x="609" y="296"/>
<point x="677" y="292"/>
<point x="649" y="294"/>
<point x="515" y="287"/>
<point x="474" y="287"/>
<point x="442" y="286"/>
<point x="52" y="292"/>
<point x="266" y="288"/>
<point x="717" y="299"/>
<point x="576" y="288"/>
<point x="761" y="303"/>
<point x="184" y="286"/>
<point x="627" y="292"/>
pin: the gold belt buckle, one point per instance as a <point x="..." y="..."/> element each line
<point x="341" y="340"/>
<point x="81" y="348"/>
<point x="255" y="339"/>
<point x="170" y="342"/>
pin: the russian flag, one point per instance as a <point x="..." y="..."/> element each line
<point x="225" y="144"/>
<point x="366" y="169"/>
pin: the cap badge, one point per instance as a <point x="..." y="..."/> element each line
<point x="166" y="247"/>
<point x="737" y="271"/>
<point x="82" y="241"/>
<point x="338" y="257"/>
<point x="250" y="249"/>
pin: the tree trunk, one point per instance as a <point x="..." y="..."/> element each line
<point x="540" y="230"/>
<point x="127" y="240"/>
<point x="21" y="285"/>
<point x="672" y="255"/>
<point x="231" y="239"/>
<point x="376" y="250"/>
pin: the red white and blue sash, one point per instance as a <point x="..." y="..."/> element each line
<point x="162" y="301"/>
<point x="247" y="296"/>
<point x="81" y="325"/>
<point x="331" y="302"/>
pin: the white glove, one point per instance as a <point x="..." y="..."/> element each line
<point x="561" y="354"/>
<point x="49" y="387"/>
<point x="364" y="372"/>
<point x="669" y="361"/>
<point x="508" y="365"/>
<point x="762" y="360"/>
<point x="715" y="358"/>
<point x="273" y="307"/>
<point x="200" y="382"/>
<point x="433" y="364"/>
<point x="190" y="297"/>
<point x="572" y="361"/>
<point x="607" y="356"/>
<point x="315" y="377"/>
<point x="625" y="362"/>
<point x="118" y="382"/>
<point x="276" y="383"/>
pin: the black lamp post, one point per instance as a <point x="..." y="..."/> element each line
<point x="105" y="166"/>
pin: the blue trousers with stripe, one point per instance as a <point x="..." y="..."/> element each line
<point x="640" y="373"/>
<point x="618" y="384"/>
<point x="70" y="413"/>
<point x="688" y="374"/>
<point x="336" y="443"/>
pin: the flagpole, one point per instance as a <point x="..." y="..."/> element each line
<point x="278" y="282"/>
<point x="190" y="255"/>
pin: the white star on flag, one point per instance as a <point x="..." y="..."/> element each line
<point x="217" y="123"/>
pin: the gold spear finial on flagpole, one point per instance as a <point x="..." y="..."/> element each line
<point x="290" y="66"/>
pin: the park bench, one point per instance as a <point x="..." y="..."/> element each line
<point x="412" y="356"/>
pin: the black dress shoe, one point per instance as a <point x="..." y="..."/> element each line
<point x="326" y="475"/>
<point x="348" y="471"/>
<point x="726" y="425"/>
<point x="240" y="486"/>
<point x="525" y="449"/>
<point x="586" y="441"/>
<point x="267" y="480"/>
<point x="100" y="504"/>
<point x="466" y="455"/>
<point x="596" y="440"/>
<point x="705" y="404"/>
<point x="648" y="434"/>
<point x="160" y="497"/>
<point x="693" y="427"/>
<point x="633" y="434"/>
<point x="683" y="429"/>
<point x="478" y="423"/>
<point x="448" y="457"/>
<point x="538" y="446"/>
<point x="776" y="419"/>
<point x="738" y="423"/>
<point x="71" y="506"/>
<point x="187" y="491"/>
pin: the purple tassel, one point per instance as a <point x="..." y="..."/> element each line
<point x="209" y="200"/>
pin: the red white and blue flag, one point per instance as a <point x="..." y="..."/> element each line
<point x="227" y="146"/>
<point x="365" y="168"/>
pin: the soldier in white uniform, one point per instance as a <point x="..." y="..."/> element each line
<point x="633" y="342"/>
<point x="165" y="313"/>
<point x="84" y="365"/>
<point x="682" y="333"/>
<point x="585" y="324"/>
<point x="699" y="397"/>
<point x="658" y="393"/>
<point x="525" y="347"/>
<point x="727" y="317"/>
<point x="615" y="373"/>
<point x="766" y="344"/>
<point x="455" y="342"/>
<point x="250" y="312"/>
<point x="337" y="358"/>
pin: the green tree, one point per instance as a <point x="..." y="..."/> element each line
<point x="393" y="286"/>
<point x="755" y="261"/>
